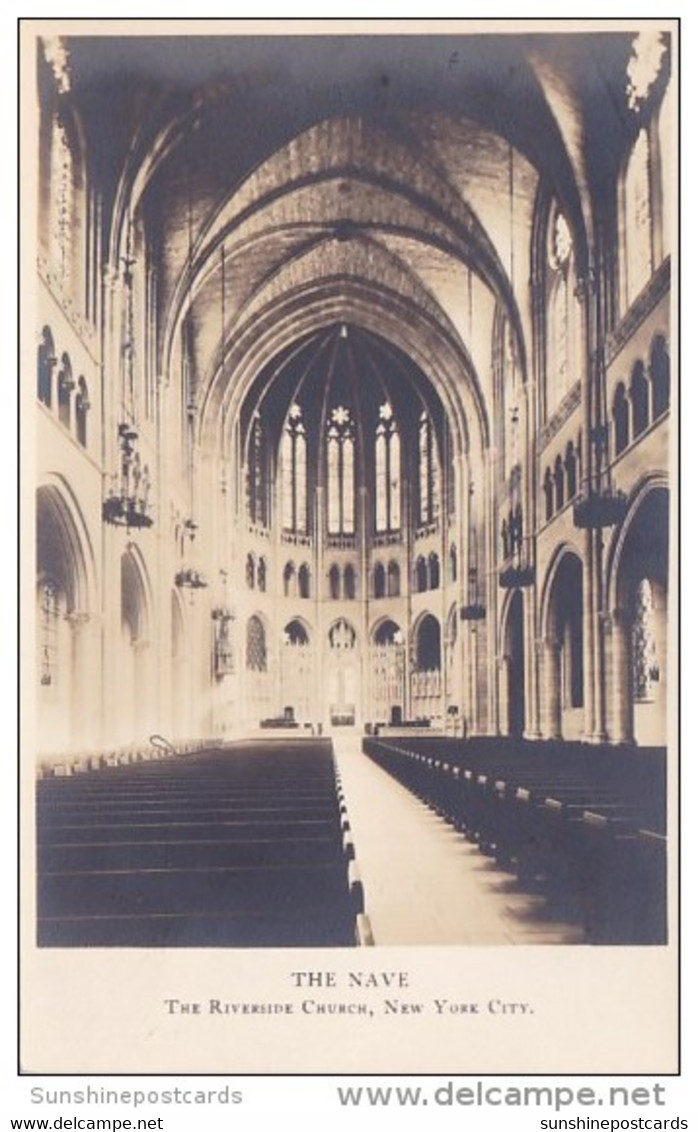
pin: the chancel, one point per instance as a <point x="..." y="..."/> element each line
<point x="353" y="420"/>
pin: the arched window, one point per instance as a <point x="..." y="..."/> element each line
<point x="349" y="583"/>
<point x="340" y="472"/>
<point x="645" y="663"/>
<point x="46" y="360"/>
<point x="48" y="631"/>
<point x="258" y="474"/>
<point x="393" y="579"/>
<point x="571" y="470"/>
<point x="289" y="580"/>
<point x="65" y="388"/>
<point x="637" y="218"/>
<point x="250" y="571"/>
<point x="342" y="635"/>
<point x="262" y="575"/>
<point x="548" y="491"/>
<point x="379" y="580"/>
<point x="434" y="572"/>
<point x="428" y="644"/>
<point x="296" y="635"/>
<point x="428" y="471"/>
<point x="453" y="562"/>
<point x="639" y="399"/>
<point x="420" y="575"/>
<point x="621" y="419"/>
<point x="559" y="480"/>
<point x="304" y="581"/>
<point x="335" y="582"/>
<point x="387" y="634"/>
<point x="294" y="472"/>
<point x="82" y="406"/>
<point x="660" y="378"/>
<point x="388" y="471"/>
<point x="256" y="647"/>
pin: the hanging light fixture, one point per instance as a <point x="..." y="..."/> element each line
<point x="189" y="577"/>
<point x="474" y="610"/>
<point x="127" y="503"/>
<point x="517" y="572"/>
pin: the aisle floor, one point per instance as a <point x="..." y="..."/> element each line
<point x="424" y="883"/>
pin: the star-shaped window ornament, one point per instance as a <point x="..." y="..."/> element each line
<point x="340" y="415"/>
<point x="295" y="412"/>
<point x="386" y="411"/>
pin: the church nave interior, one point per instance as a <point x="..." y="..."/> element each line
<point x="352" y="422"/>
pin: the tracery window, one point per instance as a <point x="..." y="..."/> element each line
<point x="296" y="635"/>
<point x="388" y="471"/>
<point x="340" y="442"/>
<point x="393" y="579"/>
<point x="258" y="474"/>
<point x="342" y="635"/>
<point x="49" y="617"/>
<point x="250" y="571"/>
<point x="256" y="649"/>
<point x="294" y="473"/>
<point x="645" y="663"/>
<point x="428" y="471"/>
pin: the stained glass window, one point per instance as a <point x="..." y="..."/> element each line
<point x="340" y="472"/>
<point x="294" y="472"/>
<point x="428" y="471"/>
<point x="258" y="474"/>
<point x="256" y="652"/>
<point x="388" y="471"/>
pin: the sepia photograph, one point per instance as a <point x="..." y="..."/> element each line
<point x="348" y="500"/>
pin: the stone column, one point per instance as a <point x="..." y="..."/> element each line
<point x="503" y="677"/>
<point x="551" y="721"/>
<point x="619" y="667"/>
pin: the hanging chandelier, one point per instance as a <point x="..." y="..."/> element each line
<point x="189" y="578"/>
<point x="127" y="503"/>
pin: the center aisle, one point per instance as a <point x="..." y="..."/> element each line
<point x="424" y="883"/>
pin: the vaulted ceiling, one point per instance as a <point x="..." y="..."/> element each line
<point x="397" y="172"/>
